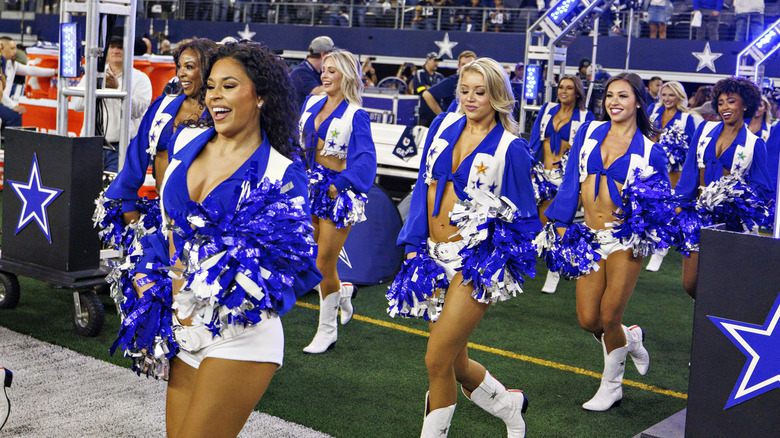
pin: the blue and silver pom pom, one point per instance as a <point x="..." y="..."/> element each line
<point x="496" y="256"/>
<point x="411" y="295"/>
<point x="674" y="141"/>
<point x="572" y="255"/>
<point x="347" y="209"/>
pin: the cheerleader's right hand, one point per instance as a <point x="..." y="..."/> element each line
<point x="411" y="255"/>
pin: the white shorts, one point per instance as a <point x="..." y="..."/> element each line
<point x="608" y="243"/>
<point x="445" y="254"/>
<point x="553" y="176"/>
<point x="262" y="342"/>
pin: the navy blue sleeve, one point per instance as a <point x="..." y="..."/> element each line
<point x="361" y="157"/>
<point x="687" y="187"/>
<point x="303" y="84"/>
<point x="415" y="230"/>
<point x="536" y="136"/>
<point x="126" y="184"/>
<point x="564" y="206"/>
<point x="445" y="89"/>
<point x="517" y="186"/>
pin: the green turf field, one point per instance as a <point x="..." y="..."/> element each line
<point x="372" y="383"/>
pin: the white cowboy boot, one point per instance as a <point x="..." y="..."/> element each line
<point x="639" y="355"/>
<point x="506" y="404"/>
<point x="437" y="422"/>
<point x="6" y="377"/>
<point x="347" y="292"/>
<point x="610" y="391"/>
<point x="656" y="259"/>
<point x="551" y="282"/>
<point x="326" y="330"/>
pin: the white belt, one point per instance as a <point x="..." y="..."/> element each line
<point x="445" y="251"/>
<point x="192" y="338"/>
<point x="604" y="237"/>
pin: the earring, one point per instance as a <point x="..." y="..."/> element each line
<point x="260" y="104"/>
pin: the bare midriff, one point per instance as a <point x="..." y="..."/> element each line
<point x="599" y="213"/>
<point x="439" y="226"/>
<point x="551" y="159"/>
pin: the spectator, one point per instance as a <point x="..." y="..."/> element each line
<point x="472" y="17"/>
<point x="340" y="18"/>
<point x="749" y="18"/>
<point x="442" y="94"/>
<point x="517" y="76"/>
<point x="498" y="16"/>
<point x="148" y="44"/>
<point x="710" y="18"/>
<point x="10" y="110"/>
<point x="165" y="47"/>
<point x="424" y="79"/>
<point x="112" y="108"/>
<point x="582" y="69"/>
<point x="653" y="87"/>
<point x="658" y="14"/>
<point x="305" y="77"/>
<point x="369" y="73"/>
<point x="406" y="72"/>
<point x="424" y="15"/>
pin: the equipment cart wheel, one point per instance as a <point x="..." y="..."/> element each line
<point x="9" y="291"/>
<point x="88" y="313"/>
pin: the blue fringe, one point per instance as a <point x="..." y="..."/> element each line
<point x="111" y="225"/>
<point x="268" y="240"/>
<point x="411" y="293"/>
<point x="644" y="219"/>
<point x="347" y="209"/>
<point x="731" y="201"/>
<point x="688" y="223"/>
<point x="543" y="189"/>
<point x="674" y="141"/>
<point x="572" y="255"/>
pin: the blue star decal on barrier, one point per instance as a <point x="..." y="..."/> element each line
<point x="35" y="198"/>
<point x="761" y="345"/>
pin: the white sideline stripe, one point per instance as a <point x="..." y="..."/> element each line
<point x="57" y="392"/>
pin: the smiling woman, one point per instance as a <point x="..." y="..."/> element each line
<point x="236" y="222"/>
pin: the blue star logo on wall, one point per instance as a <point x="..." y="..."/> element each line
<point x="761" y="345"/>
<point x="35" y="198"/>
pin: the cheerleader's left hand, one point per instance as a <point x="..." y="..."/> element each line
<point x="333" y="192"/>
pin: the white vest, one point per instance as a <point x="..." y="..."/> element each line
<point x="547" y="118"/>
<point x="339" y="131"/>
<point x="743" y="155"/>
<point x="160" y="121"/>
<point x="636" y="161"/>
<point x="486" y="170"/>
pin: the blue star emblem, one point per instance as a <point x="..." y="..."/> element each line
<point x="492" y="187"/>
<point x="477" y="184"/>
<point x="158" y="122"/>
<point x="343" y="147"/>
<point x="35" y="198"/>
<point x="153" y="136"/>
<point x="331" y="143"/>
<point x="761" y="345"/>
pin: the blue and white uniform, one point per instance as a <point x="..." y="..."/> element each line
<point x="763" y="134"/>
<point x="676" y="135"/>
<point x="643" y="157"/>
<point x="346" y="134"/>
<point x="745" y="157"/>
<point x="773" y="155"/>
<point x="546" y="181"/>
<point x="498" y="168"/>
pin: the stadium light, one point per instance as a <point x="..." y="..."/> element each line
<point x="70" y="45"/>
<point x="531" y="81"/>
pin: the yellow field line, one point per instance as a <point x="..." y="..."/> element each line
<point x="510" y="354"/>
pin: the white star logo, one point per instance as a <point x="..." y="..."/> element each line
<point x="445" y="46"/>
<point x="35" y="198"/>
<point x="345" y="258"/>
<point x="246" y="34"/>
<point x="706" y="58"/>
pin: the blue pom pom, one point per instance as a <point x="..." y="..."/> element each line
<point x="347" y="209"/>
<point x="543" y="189"/>
<point x="572" y="255"/>
<point x="411" y="295"/>
<point x="674" y="141"/>
<point x="731" y="201"/>
<point x="645" y="218"/>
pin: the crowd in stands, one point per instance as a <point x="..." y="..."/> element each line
<point x="736" y="20"/>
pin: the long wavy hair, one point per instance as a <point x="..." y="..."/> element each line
<point x="638" y="88"/>
<point x="497" y="88"/>
<point x="351" y="75"/>
<point x="678" y="90"/>
<point x="579" y="90"/>
<point x="279" y="118"/>
<point x="205" y="50"/>
<point x="767" y="113"/>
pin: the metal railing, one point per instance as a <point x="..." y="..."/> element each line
<point x="403" y="15"/>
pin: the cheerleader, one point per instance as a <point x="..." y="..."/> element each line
<point x="120" y="205"/>
<point x="468" y="242"/>
<point x="551" y="138"/>
<point x="675" y="125"/>
<point x="341" y="158"/>
<point x="761" y="122"/>
<point x="613" y="166"/>
<point x="726" y="180"/>
<point x="237" y="224"/>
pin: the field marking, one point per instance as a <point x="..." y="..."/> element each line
<point x="509" y="354"/>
